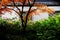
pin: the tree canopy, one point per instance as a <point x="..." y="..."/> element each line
<point x="8" y="1"/>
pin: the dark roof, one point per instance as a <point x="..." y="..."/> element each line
<point x="47" y="2"/>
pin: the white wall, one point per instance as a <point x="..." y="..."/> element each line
<point x="42" y="16"/>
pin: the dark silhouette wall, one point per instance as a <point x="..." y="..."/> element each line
<point x="47" y="0"/>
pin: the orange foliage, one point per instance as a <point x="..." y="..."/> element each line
<point x="16" y="0"/>
<point x="41" y="8"/>
<point x="5" y="2"/>
<point x="8" y="1"/>
<point x="21" y="1"/>
<point x="5" y="10"/>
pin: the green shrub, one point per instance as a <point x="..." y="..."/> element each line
<point x="40" y="30"/>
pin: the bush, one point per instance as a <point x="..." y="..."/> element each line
<point x="40" y="30"/>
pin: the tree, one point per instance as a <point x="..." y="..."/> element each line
<point x="24" y="22"/>
<point x="30" y="4"/>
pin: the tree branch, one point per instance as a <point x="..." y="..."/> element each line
<point x="19" y="12"/>
<point x="28" y="12"/>
<point x="22" y="14"/>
